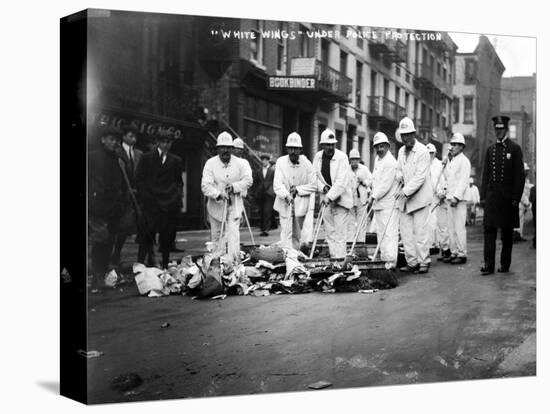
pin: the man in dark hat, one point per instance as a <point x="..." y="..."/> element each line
<point x="159" y="188"/>
<point x="263" y="193"/>
<point x="106" y="199"/>
<point x="501" y="190"/>
<point x="131" y="157"/>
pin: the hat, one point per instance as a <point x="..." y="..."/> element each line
<point x="458" y="138"/>
<point x="294" y="140"/>
<point x="328" y="137"/>
<point x="238" y="143"/>
<point x="354" y="154"/>
<point x="431" y="147"/>
<point x="500" y="121"/>
<point x="380" y="138"/>
<point x="526" y="166"/>
<point x="105" y="130"/>
<point x="224" y="140"/>
<point x="406" y="126"/>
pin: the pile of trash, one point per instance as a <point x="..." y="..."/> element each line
<point x="264" y="271"/>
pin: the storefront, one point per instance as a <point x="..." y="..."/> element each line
<point x="189" y="145"/>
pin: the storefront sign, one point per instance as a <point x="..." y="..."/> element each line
<point x="302" y="67"/>
<point x="143" y="126"/>
<point x="291" y="83"/>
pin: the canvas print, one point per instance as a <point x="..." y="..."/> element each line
<point x="273" y="206"/>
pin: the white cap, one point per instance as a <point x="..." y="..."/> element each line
<point x="238" y="143"/>
<point x="458" y="138"/>
<point x="406" y="126"/>
<point x="225" y="140"/>
<point x="526" y="166"/>
<point x="431" y="147"/>
<point x="380" y="138"/>
<point x="354" y="154"/>
<point x="328" y="137"/>
<point x="294" y="140"/>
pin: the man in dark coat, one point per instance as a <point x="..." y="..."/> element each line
<point x="131" y="157"/>
<point x="501" y="190"/>
<point x="264" y="194"/>
<point x="159" y="188"/>
<point x="106" y="198"/>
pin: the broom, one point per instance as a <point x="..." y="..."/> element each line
<point x="385" y="276"/>
<point x="318" y="227"/>
<point x="248" y="225"/>
<point x="349" y="256"/>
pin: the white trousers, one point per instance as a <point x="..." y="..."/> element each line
<point x="291" y="231"/>
<point x="231" y="239"/>
<point x="457" y="228"/>
<point x="414" y="234"/>
<point x="438" y="231"/>
<point x="385" y="219"/>
<point x="354" y="219"/>
<point x="335" y="222"/>
<point x="522" y="214"/>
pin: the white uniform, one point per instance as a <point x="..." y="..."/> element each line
<point x="361" y="180"/>
<point x="302" y="176"/>
<point x="386" y="216"/>
<point x="215" y="176"/>
<point x="524" y="204"/>
<point x="458" y="178"/>
<point x="414" y="169"/>
<point x="438" y="235"/>
<point x="336" y="213"/>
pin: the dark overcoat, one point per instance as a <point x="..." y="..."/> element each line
<point x="502" y="184"/>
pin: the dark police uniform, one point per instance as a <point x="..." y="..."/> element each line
<point x="501" y="189"/>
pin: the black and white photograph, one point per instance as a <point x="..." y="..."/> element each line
<point x="281" y="206"/>
<point x="266" y="207"/>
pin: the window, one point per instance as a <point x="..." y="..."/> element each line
<point x="470" y="71"/>
<point x="304" y="43"/>
<point x="281" y="49"/>
<point x="372" y="83"/>
<point x="456" y="110"/>
<point x="257" y="44"/>
<point x="407" y="103"/>
<point x="398" y="70"/>
<point x="325" y="49"/>
<point x="397" y="95"/>
<point x="444" y="76"/>
<point x="359" y="38"/>
<point x="358" y="83"/>
<point x="407" y="77"/>
<point x="468" y="109"/>
<point x="513" y="131"/>
<point x="343" y="63"/>
<point x="438" y="69"/>
<point x="343" y="112"/>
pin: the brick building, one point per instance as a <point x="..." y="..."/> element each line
<point x="518" y="101"/>
<point x="477" y="99"/>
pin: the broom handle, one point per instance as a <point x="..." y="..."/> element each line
<point x="248" y="225"/>
<point x="363" y="218"/>
<point x="385" y="228"/>
<point x="224" y="214"/>
<point x="321" y="214"/>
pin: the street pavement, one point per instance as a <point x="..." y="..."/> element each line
<point x="449" y="324"/>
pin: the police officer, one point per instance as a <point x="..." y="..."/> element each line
<point x="501" y="190"/>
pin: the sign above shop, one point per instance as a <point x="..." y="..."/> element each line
<point x="291" y="82"/>
<point x="302" y="66"/>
